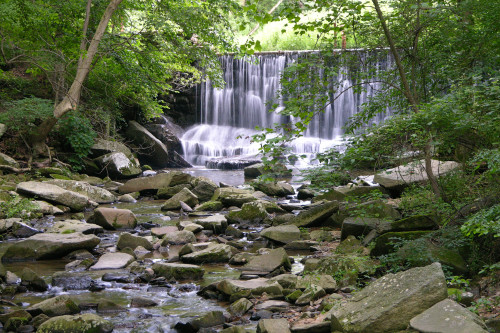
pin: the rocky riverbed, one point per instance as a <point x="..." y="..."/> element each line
<point x="169" y="252"/>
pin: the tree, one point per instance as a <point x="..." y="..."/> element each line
<point x="150" y="48"/>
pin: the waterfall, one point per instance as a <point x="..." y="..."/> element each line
<point x="228" y="116"/>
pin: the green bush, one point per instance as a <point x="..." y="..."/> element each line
<point x="484" y="223"/>
<point x="25" y="114"/>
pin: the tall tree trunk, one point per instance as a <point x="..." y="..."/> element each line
<point x="72" y="98"/>
<point x="409" y="96"/>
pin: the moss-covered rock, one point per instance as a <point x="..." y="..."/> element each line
<point x="56" y="306"/>
<point x="204" y="188"/>
<point x="250" y="213"/>
<point x="32" y="281"/>
<point x="170" y="191"/>
<point x="240" y="307"/>
<point x="131" y="241"/>
<point x="386" y="243"/>
<point x="85" y="323"/>
<point x="315" y="215"/>
<point x="178" y="271"/>
<point x="184" y="195"/>
<point x="212" y="254"/>
<point x="178" y="237"/>
<point x="274" y="189"/>
<point x="209" y="206"/>
<point x="231" y="196"/>
<point x="282" y="234"/>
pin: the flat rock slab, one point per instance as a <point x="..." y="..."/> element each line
<point x="87" y="322"/>
<point x="389" y="303"/>
<point x="255" y="287"/>
<point x="54" y="193"/>
<point x="155" y="182"/>
<point x="178" y="271"/>
<point x="71" y="226"/>
<point x="274" y="306"/>
<point x="113" y="261"/>
<point x="178" y="237"/>
<point x="162" y="231"/>
<point x="216" y="223"/>
<point x="49" y="246"/>
<point x="273" y="326"/>
<point x="448" y="316"/>
<point x="94" y="193"/>
<point x="315" y="215"/>
<point x="212" y="254"/>
<point x="269" y="262"/>
<point x="413" y="172"/>
<point x="282" y="234"/>
<point x="111" y="218"/>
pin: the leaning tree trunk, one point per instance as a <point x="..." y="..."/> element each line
<point x="72" y="98"/>
<point x="409" y="96"/>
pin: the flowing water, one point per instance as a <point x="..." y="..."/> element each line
<point x="228" y="116"/>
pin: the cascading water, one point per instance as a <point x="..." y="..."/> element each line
<point x="229" y="116"/>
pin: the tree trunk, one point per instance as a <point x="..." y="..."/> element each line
<point x="72" y="98"/>
<point x="410" y="97"/>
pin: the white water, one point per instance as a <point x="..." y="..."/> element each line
<point x="229" y="116"/>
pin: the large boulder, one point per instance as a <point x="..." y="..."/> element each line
<point x="213" y="253"/>
<point x="153" y="151"/>
<point x="103" y="147"/>
<point x="231" y="196"/>
<point x="118" y="165"/>
<point x="165" y="133"/>
<point x="315" y="215"/>
<point x="8" y="161"/>
<point x="55" y="306"/>
<point x="72" y="281"/>
<point x="282" y="234"/>
<point x="185" y="196"/>
<point x="178" y="237"/>
<point x="155" y="182"/>
<point x="94" y="193"/>
<point x="448" y="316"/>
<point x="250" y="213"/>
<point x="255" y="287"/>
<point x="178" y="271"/>
<point x="112" y="218"/>
<point x="389" y="303"/>
<point x="273" y="326"/>
<point x="274" y="189"/>
<point x="84" y="323"/>
<point x="204" y="188"/>
<point x="411" y="173"/>
<point x="54" y="193"/>
<point x="113" y="261"/>
<point x="202" y="323"/>
<point x="49" y="246"/>
<point x="360" y="226"/>
<point x="128" y="240"/>
<point x="71" y="226"/>
<point x="217" y="223"/>
<point x="269" y="262"/>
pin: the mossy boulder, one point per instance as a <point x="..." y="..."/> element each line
<point x="49" y="246"/>
<point x="360" y="226"/>
<point x="385" y="243"/>
<point x="178" y="271"/>
<point x="231" y="196"/>
<point x="204" y="188"/>
<point x="240" y="307"/>
<point x="417" y="222"/>
<point x="346" y="267"/>
<point x="216" y="223"/>
<point x="85" y="323"/>
<point x="282" y="234"/>
<point x="94" y="193"/>
<point x="209" y="206"/>
<point x="170" y="191"/>
<point x="274" y="189"/>
<point x="55" y="306"/>
<point x="268" y="262"/>
<point x="156" y="182"/>
<point x="389" y="303"/>
<point x="178" y="237"/>
<point x="255" y="287"/>
<point x="131" y="241"/>
<point x="54" y="193"/>
<point x="185" y="195"/>
<point x="32" y="281"/>
<point x="315" y="215"/>
<point x="250" y="213"/>
<point x="212" y="254"/>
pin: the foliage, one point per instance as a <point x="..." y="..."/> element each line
<point x="17" y="207"/>
<point x="324" y="177"/>
<point x="76" y="132"/>
<point x="484" y="223"/>
<point x="24" y="114"/>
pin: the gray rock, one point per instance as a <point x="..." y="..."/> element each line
<point x="273" y="326"/>
<point x="73" y="200"/>
<point x="103" y="147"/>
<point x="49" y="246"/>
<point x="113" y="261"/>
<point x="118" y="165"/>
<point x="413" y="172"/>
<point x="268" y="262"/>
<point x="94" y="193"/>
<point x="126" y="198"/>
<point x="254" y="287"/>
<point x="274" y="189"/>
<point x="327" y="282"/>
<point x="178" y="237"/>
<point x="22" y="230"/>
<point x="240" y="307"/>
<point x="71" y="281"/>
<point x="185" y="195"/>
<point x="315" y="215"/>
<point x="231" y="196"/>
<point x="142" y="302"/>
<point x="448" y="316"/>
<point x="154" y="152"/>
<point x="46" y="208"/>
<point x="178" y="271"/>
<point x="131" y="241"/>
<point x="389" y="303"/>
<point x="156" y="182"/>
<point x="212" y="254"/>
<point x="282" y="234"/>
<point x="359" y="226"/>
<point x="32" y="281"/>
<point x="111" y="218"/>
<point x="310" y="294"/>
<point x="250" y="213"/>
<point x="273" y="306"/>
<point x="204" y="188"/>
<point x="209" y="319"/>
<point x="85" y="323"/>
<point x="216" y="223"/>
<point x="71" y="226"/>
<point x="56" y="306"/>
<point x="9" y="161"/>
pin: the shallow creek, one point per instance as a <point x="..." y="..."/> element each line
<point x="174" y="304"/>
